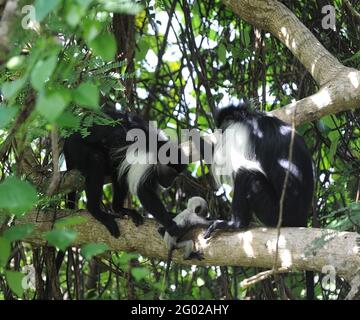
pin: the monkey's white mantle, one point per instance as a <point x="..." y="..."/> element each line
<point x="299" y="248"/>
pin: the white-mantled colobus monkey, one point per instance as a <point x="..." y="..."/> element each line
<point x="102" y="154"/>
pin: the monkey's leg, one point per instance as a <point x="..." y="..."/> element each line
<point x="94" y="187"/>
<point x="120" y="191"/>
<point x="189" y="252"/>
<point x="240" y="206"/>
<point x="152" y="203"/>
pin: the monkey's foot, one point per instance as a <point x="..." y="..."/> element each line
<point x="162" y="231"/>
<point x="111" y="225"/>
<point x="136" y="217"/>
<point x="195" y="255"/>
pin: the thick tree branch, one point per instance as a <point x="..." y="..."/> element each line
<point x="5" y="22"/>
<point x="299" y="248"/>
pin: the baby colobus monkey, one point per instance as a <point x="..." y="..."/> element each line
<point x="193" y="216"/>
<point x="190" y="219"/>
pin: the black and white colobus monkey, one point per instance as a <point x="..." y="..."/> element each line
<point x="194" y="215"/>
<point x="253" y="157"/>
<point x="102" y="154"/>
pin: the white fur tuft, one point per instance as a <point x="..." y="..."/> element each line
<point x="136" y="169"/>
<point x="232" y="153"/>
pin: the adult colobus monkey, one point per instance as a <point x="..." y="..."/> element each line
<point x="253" y="157"/>
<point x="103" y="154"/>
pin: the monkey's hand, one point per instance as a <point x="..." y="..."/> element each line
<point x="222" y="225"/>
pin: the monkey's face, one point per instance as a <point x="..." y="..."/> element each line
<point x="201" y="211"/>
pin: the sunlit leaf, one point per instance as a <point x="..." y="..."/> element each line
<point x="44" y="7"/>
<point x="19" y="232"/>
<point x="140" y="273"/>
<point x="5" y="249"/>
<point x="7" y="114"/>
<point x="17" y="196"/>
<point x="61" y="238"/>
<point x="69" y="221"/>
<point x="93" y="249"/>
<point x="14" y="280"/>
<point x="51" y="104"/>
<point x="11" y="88"/>
<point x="87" y="96"/>
<point x="104" y="45"/>
<point x="43" y="71"/>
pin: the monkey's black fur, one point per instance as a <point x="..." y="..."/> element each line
<point x="100" y="154"/>
<point x="258" y="191"/>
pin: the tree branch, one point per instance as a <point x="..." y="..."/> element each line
<point x="6" y="20"/>
<point x="299" y="248"/>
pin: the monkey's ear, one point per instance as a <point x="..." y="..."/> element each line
<point x="166" y="175"/>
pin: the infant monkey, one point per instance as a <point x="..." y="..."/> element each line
<point x="194" y="215"/>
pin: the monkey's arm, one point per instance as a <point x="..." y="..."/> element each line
<point x="152" y="203"/>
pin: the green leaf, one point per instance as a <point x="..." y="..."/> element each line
<point x="84" y="3"/>
<point x="19" y="232"/>
<point x="5" y="249"/>
<point x="69" y="221"/>
<point x="93" y="249"/>
<point x="333" y="147"/>
<point x="7" y="114"/>
<point x="87" y="95"/>
<point x="118" y="6"/>
<point x="44" y="7"/>
<point x="91" y="29"/>
<point x="221" y="50"/>
<point x="68" y="120"/>
<point x="61" y="238"/>
<point x="104" y="45"/>
<point x="43" y="71"/>
<point x="15" y="63"/>
<point x="11" y="89"/>
<point x="17" y="196"/>
<point x="74" y="13"/>
<point x="144" y="47"/>
<point x="140" y="273"/>
<point x="51" y="104"/>
<point x="14" y="280"/>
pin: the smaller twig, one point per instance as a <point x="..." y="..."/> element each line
<point x="352" y="9"/>
<point x="283" y="193"/>
<point x="261" y="276"/>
